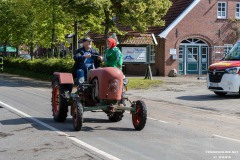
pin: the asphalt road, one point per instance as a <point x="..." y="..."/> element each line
<point x="185" y="122"/>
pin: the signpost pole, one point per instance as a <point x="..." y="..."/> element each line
<point x="148" y="74"/>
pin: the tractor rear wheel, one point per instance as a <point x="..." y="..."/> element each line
<point x="77" y="116"/>
<point x="59" y="102"/>
<point x="139" y="118"/>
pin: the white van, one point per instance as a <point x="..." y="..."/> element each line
<point x="224" y="76"/>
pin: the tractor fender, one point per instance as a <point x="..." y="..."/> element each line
<point x="63" y="78"/>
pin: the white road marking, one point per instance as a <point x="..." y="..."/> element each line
<point x="157" y="120"/>
<point x="37" y="88"/>
<point x="107" y="155"/>
<point x="231" y="139"/>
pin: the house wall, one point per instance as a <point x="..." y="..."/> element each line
<point x="160" y="57"/>
<point x="201" y="23"/>
<point x="136" y="69"/>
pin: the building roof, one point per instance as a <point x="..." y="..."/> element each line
<point x="175" y="14"/>
<point x="141" y="39"/>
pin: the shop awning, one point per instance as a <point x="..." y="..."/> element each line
<point x="8" y="49"/>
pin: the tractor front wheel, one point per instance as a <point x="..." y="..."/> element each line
<point x="77" y="116"/>
<point x="139" y="118"/>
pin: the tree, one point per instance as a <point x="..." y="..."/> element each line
<point x="100" y="15"/>
<point x="28" y="22"/>
<point x="141" y="14"/>
<point x="50" y="24"/>
<point x="46" y="22"/>
<point x="7" y="17"/>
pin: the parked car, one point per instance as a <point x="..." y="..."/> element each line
<point x="25" y="56"/>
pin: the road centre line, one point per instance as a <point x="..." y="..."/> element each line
<point x="107" y="155"/>
<point x="231" y="139"/>
<point x="37" y="88"/>
<point x="157" y="120"/>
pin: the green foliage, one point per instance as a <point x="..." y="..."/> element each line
<point x="48" y="21"/>
<point x="98" y="15"/>
<point x="31" y="21"/>
<point x="13" y="21"/>
<point x="41" y="66"/>
<point x="141" y="14"/>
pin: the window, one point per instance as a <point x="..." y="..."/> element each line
<point x="152" y="54"/>
<point x="237" y="10"/>
<point x="180" y="56"/>
<point x="222" y="7"/>
<point x="227" y="48"/>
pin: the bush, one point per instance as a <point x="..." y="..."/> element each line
<point x="42" y="66"/>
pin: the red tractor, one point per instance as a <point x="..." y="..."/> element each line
<point x="104" y="90"/>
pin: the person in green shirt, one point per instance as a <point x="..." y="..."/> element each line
<point x="113" y="56"/>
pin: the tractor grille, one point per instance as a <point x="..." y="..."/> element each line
<point x="215" y="76"/>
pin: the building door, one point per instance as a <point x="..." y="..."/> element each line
<point x="192" y="53"/>
<point x="193" y="57"/>
<point x="204" y="62"/>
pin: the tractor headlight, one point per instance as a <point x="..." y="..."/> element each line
<point x="125" y="81"/>
<point x="113" y="85"/>
<point x="234" y="70"/>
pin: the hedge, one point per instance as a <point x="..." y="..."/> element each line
<point x="42" y="66"/>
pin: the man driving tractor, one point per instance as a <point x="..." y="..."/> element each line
<point x="85" y="58"/>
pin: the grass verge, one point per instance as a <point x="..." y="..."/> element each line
<point x="141" y="83"/>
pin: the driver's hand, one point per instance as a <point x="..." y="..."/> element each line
<point x="87" y="56"/>
<point x="100" y="58"/>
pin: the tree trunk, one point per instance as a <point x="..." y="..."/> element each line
<point x="17" y="51"/>
<point x="107" y="21"/>
<point x="53" y="29"/>
<point x="52" y="43"/>
<point x="5" y="48"/>
<point x="75" y="39"/>
<point x="31" y="50"/>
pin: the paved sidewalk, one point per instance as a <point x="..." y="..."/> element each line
<point x="189" y="91"/>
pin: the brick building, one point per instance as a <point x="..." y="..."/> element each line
<point x="196" y="33"/>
